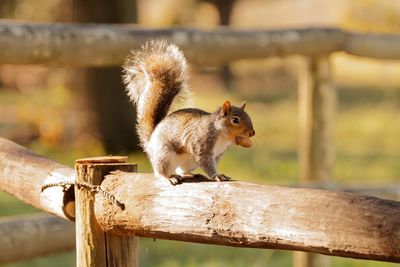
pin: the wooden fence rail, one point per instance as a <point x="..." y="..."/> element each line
<point x="23" y="173"/>
<point x="250" y="215"/>
<point x="29" y="236"/>
<point x="106" y="45"/>
<point x="229" y="213"/>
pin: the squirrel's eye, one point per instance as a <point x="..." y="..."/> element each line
<point x="235" y="120"/>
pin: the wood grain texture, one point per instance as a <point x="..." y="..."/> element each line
<point x="90" y="239"/>
<point x="23" y="173"/>
<point x="250" y="215"/>
<point x="93" y="246"/>
<point x="29" y="236"/>
<point x="106" y="45"/>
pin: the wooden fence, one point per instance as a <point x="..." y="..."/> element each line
<point x="106" y="45"/>
<point x="23" y="173"/>
<point x="228" y="213"/>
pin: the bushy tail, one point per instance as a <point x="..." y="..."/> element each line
<point x="154" y="76"/>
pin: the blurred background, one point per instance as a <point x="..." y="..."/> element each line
<point x="60" y="112"/>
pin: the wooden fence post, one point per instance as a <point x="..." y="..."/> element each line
<point x="317" y="105"/>
<point x="93" y="246"/>
<point x="317" y="101"/>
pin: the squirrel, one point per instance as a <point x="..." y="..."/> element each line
<point x="177" y="143"/>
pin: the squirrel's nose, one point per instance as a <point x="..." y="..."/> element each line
<point x="251" y="133"/>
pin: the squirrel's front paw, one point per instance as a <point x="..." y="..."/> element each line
<point x="175" y="179"/>
<point x="221" y="177"/>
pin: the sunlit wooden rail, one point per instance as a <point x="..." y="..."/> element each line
<point x="228" y="213"/>
<point x="23" y="173"/>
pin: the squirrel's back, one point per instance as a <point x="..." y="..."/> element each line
<point x="154" y="75"/>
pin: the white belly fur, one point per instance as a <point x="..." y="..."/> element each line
<point x="182" y="164"/>
<point x="220" y="146"/>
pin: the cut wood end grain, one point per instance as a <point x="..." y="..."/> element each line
<point x="103" y="159"/>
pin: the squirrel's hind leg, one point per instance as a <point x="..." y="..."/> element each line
<point x="162" y="169"/>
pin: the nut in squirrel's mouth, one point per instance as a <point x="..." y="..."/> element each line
<point x="243" y="141"/>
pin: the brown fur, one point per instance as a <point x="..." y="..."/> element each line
<point x="187" y="138"/>
<point x="164" y="67"/>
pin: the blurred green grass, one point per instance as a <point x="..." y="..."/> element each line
<point x="368" y="152"/>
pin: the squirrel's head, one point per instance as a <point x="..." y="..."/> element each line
<point x="236" y="120"/>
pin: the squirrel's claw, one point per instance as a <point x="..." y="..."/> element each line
<point x="175" y="179"/>
<point x="221" y="177"/>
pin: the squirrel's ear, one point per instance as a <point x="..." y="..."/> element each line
<point x="243" y="105"/>
<point x="226" y="107"/>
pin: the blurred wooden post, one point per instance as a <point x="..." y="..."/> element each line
<point x="317" y="101"/>
<point x="93" y="246"/>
